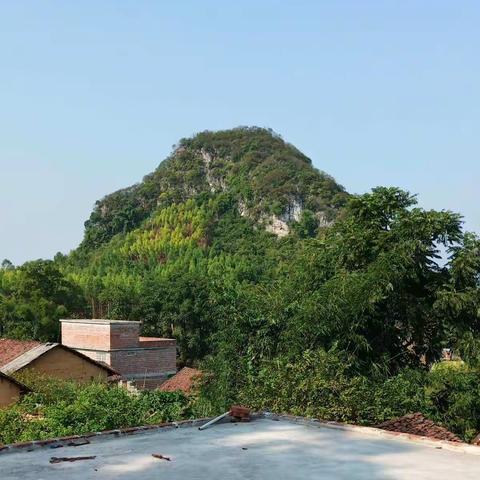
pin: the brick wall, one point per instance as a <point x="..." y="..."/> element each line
<point x="124" y="335"/>
<point x="9" y="392"/>
<point x="148" y="342"/>
<point x="62" y="363"/>
<point x="144" y="361"/>
<point x="82" y="335"/>
<point x="118" y="344"/>
<point x="98" y="355"/>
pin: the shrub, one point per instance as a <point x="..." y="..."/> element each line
<point x="453" y="396"/>
<point x="12" y="424"/>
<point x="46" y="390"/>
<point x="97" y="407"/>
<point x="396" y="396"/>
<point x="317" y="384"/>
<point x="157" y="406"/>
<point x="60" y="408"/>
<point x="323" y="385"/>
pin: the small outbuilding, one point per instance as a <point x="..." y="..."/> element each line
<point x="11" y="390"/>
<point x="52" y="359"/>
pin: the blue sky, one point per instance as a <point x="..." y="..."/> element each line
<point x="94" y="94"/>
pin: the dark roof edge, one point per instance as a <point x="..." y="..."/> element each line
<point x="22" y="386"/>
<point x="63" y="441"/>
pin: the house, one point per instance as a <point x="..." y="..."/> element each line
<point x="51" y="359"/>
<point x="146" y="362"/>
<point x="186" y="381"/>
<point x="11" y="390"/>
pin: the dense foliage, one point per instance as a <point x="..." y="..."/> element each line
<point x="61" y="408"/>
<point x="322" y="385"/>
<point x="33" y="298"/>
<point x="342" y="320"/>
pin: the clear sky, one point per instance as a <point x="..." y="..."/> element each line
<point x="93" y="94"/>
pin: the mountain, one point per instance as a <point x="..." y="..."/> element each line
<point x="269" y="180"/>
<point x="225" y="208"/>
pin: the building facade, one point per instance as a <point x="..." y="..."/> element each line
<point x="51" y="359"/>
<point x="145" y="361"/>
<point x="11" y="390"/>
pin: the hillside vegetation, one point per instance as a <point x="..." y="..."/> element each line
<point x="263" y="174"/>
<point x="295" y="295"/>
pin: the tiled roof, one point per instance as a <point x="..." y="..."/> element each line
<point x="185" y="380"/>
<point x="417" y="424"/>
<point x="16" y="354"/>
<point x="28" y="357"/>
<point x="11" y="349"/>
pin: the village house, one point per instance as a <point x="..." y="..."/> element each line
<point x="52" y="359"/>
<point x="11" y="390"/>
<point x="145" y="362"/>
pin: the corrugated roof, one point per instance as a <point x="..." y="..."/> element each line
<point x="185" y="380"/>
<point x="10" y="349"/>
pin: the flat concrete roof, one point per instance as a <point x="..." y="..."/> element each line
<point x="263" y="449"/>
<point x="101" y="321"/>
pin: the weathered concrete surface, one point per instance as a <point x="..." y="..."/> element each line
<point x="264" y="449"/>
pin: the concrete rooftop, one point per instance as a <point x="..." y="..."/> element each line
<point x="263" y="449"/>
<point x="101" y="321"/>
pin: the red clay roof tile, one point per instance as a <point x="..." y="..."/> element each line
<point x="11" y="349"/>
<point x="417" y="424"/>
<point x="185" y="380"/>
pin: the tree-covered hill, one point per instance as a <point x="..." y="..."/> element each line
<point x="224" y="207"/>
<point x="270" y="180"/>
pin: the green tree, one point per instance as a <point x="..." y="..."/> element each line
<point x="33" y="298"/>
